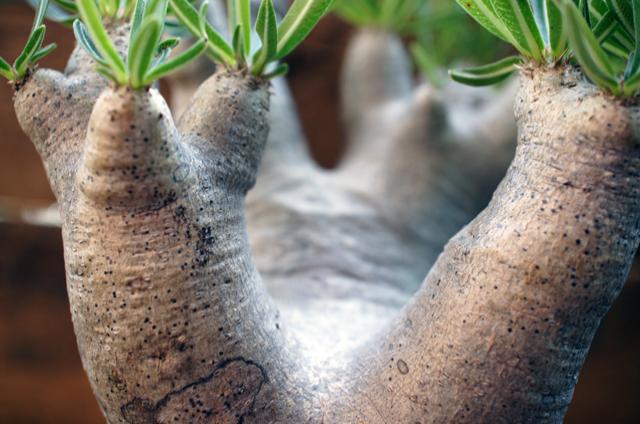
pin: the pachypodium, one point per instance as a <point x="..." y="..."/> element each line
<point x="169" y="294"/>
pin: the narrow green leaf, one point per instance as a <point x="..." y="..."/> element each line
<point x="143" y="51"/>
<point x="43" y="52"/>
<point x="591" y="57"/>
<point x="106" y="72"/>
<point x="182" y="59"/>
<point x="279" y="71"/>
<point x="91" y="17"/>
<point x="67" y="5"/>
<point x="518" y="18"/>
<point x="202" y="16"/>
<point x="238" y="48"/>
<point x="302" y="17"/>
<point x="56" y="13"/>
<point x="85" y="41"/>
<point x="33" y="45"/>
<point x="549" y="21"/>
<point x="633" y="65"/>
<point x="267" y="29"/>
<point x="484" y="13"/>
<point x="625" y="13"/>
<point x="632" y="85"/>
<point x="605" y="26"/>
<point x="583" y="5"/>
<point x="5" y="69"/>
<point x="244" y="19"/>
<point x="217" y="47"/>
<point x="40" y="14"/>
<point x="168" y="43"/>
<point x="136" y="21"/>
<point x="487" y="74"/>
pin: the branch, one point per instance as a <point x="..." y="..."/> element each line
<point x="227" y="122"/>
<point x="171" y="316"/>
<point x="376" y="71"/>
<point x="503" y="322"/>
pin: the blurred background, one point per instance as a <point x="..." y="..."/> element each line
<point x="41" y="378"/>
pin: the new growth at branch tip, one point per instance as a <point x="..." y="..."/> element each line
<point x="148" y="58"/>
<point x="601" y="36"/>
<point x="33" y="50"/>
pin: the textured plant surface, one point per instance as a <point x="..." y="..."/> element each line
<point x="302" y="302"/>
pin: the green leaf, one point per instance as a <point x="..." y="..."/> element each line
<point x="583" y="5"/>
<point x="279" y="71"/>
<point x="202" y="16"/>
<point x="43" y="52"/>
<point x="40" y="14"/>
<point x="182" y="59"/>
<point x="487" y="74"/>
<point x="68" y="5"/>
<point x="138" y="16"/>
<point x="625" y="13"/>
<point x="591" y="57"/>
<point x="143" y="51"/>
<point x="267" y="29"/>
<point x="238" y="48"/>
<point x="484" y="13"/>
<point x="634" y="62"/>
<point x="302" y="17"/>
<point x="33" y="45"/>
<point x="5" y="69"/>
<point x="56" y="13"/>
<point x="240" y="17"/>
<point x="84" y="39"/>
<point x="605" y="26"/>
<point x="164" y="50"/>
<point x="217" y="47"/>
<point x="632" y="85"/>
<point x="518" y="17"/>
<point x="106" y="72"/>
<point x="243" y="18"/>
<point x="549" y="21"/>
<point x="91" y="17"/>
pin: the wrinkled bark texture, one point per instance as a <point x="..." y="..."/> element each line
<point x="321" y="316"/>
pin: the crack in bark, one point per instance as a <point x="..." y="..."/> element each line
<point x="189" y="400"/>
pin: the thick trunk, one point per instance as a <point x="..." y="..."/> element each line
<point x="172" y="320"/>
<point x="503" y="322"/>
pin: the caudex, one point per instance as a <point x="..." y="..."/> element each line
<point x="169" y="294"/>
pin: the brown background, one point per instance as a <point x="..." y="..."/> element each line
<point x="41" y="379"/>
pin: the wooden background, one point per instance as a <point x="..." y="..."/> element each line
<point x="41" y="378"/>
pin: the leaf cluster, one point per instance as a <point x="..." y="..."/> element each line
<point x="602" y="36"/>
<point x="276" y="39"/>
<point x="148" y="56"/>
<point x="33" y="50"/>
